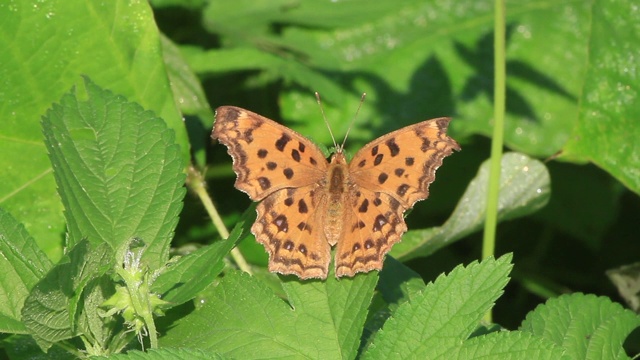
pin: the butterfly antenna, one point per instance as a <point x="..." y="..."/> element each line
<point x="326" y="122"/>
<point x="354" y="120"/>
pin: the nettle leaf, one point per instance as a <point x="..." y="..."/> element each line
<point x="51" y="309"/>
<point x="118" y="170"/>
<point x="192" y="273"/>
<point x="165" y="354"/>
<point x="118" y="49"/>
<point x="443" y="315"/>
<point x="524" y="189"/>
<point x="585" y="326"/>
<point x="23" y="264"/>
<point x="505" y="345"/>
<point x="243" y="318"/>
<point x="607" y="130"/>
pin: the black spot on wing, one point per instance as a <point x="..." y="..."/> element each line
<point x="394" y="149"/>
<point x="282" y="142"/>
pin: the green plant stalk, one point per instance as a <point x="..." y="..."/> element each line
<point x="491" y="220"/>
<point x="196" y="183"/>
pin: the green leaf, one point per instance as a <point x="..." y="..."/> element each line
<point x="47" y="46"/>
<point x="586" y="326"/>
<point x="165" y="354"/>
<point x="25" y="347"/>
<point x="505" y="345"/>
<point x="50" y="310"/>
<point x="193" y="273"/>
<point x="428" y="59"/>
<point x="23" y="264"/>
<point x="443" y="315"/>
<point x="190" y="97"/>
<point x="524" y="188"/>
<point x="322" y="319"/>
<point x="607" y="129"/>
<point x="118" y="171"/>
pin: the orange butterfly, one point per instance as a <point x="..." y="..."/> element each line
<point x="308" y="204"/>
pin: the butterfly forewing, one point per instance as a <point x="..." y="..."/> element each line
<point x="266" y="155"/>
<point x="403" y="163"/>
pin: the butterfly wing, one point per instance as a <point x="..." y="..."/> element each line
<point x="266" y="155"/>
<point x="282" y="168"/>
<point x="390" y="174"/>
<point x="289" y="226"/>
<point x="403" y="163"/>
<point x="373" y="223"/>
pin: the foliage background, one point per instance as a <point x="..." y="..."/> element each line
<point x="572" y="98"/>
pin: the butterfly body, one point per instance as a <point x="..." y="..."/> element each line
<point x="308" y="204"/>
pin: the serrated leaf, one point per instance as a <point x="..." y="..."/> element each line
<point x="506" y="345"/>
<point x="50" y="310"/>
<point x="165" y="354"/>
<point x="194" y="272"/>
<point x="444" y="314"/>
<point x="323" y="319"/>
<point x="607" y="129"/>
<point x="118" y="170"/>
<point x="23" y="264"/>
<point x="524" y="188"/>
<point x="585" y="326"/>
<point x="117" y="48"/>
<point x="91" y="323"/>
<point x="397" y="285"/>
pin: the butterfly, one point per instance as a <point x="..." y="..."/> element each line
<point x="308" y="204"/>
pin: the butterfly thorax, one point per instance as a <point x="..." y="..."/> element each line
<point x="337" y="185"/>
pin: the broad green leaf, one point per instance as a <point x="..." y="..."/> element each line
<point x="50" y="310"/>
<point x="428" y="59"/>
<point x="22" y="265"/>
<point x="506" y="345"/>
<point x="165" y="354"/>
<point x="322" y="319"/>
<point x="47" y="46"/>
<point x="194" y="272"/>
<point x="524" y="188"/>
<point x="118" y="169"/>
<point x="190" y="97"/>
<point x="585" y="326"/>
<point x="397" y="285"/>
<point x="607" y="130"/>
<point x="443" y="315"/>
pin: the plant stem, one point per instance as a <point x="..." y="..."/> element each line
<point x="491" y="220"/>
<point x="196" y="183"/>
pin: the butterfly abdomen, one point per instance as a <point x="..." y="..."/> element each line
<point x="336" y="187"/>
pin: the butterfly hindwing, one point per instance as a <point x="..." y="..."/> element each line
<point x="373" y="223"/>
<point x="288" y="225"/>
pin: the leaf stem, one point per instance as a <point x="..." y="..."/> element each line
<point x="489" y="241"/>
<point x="196" y="183"/>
